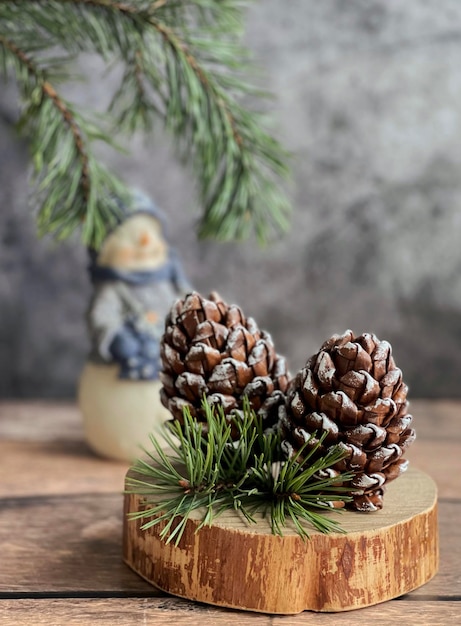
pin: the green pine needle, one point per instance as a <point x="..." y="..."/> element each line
<point x="206" y="470"/>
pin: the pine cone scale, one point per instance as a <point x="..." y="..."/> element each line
<point x="178" y="340"/>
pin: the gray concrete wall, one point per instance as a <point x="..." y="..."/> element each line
<point x="369" y="102"/>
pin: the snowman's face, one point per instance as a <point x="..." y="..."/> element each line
<point x="137" y="244"/>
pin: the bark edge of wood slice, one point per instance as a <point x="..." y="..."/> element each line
<point x="232" y="564"/>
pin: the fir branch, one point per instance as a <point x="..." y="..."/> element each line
<point x="206" y="469"/>
<point x="49" y="92"/>
<point x="182" y="65"/>
<point x="71" y="182"/>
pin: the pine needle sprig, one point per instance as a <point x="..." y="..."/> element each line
<point x="292" y="489"/>
<point x="205" y="469"/>
<point x="190" y="472"/>
<point x="182" y="65"/>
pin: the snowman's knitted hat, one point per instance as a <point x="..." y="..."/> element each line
<point x="139" y="202"/>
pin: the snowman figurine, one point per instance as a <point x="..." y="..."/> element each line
<point x="136" y="278"/>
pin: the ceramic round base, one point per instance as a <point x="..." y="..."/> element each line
<point x="118" y="415"/>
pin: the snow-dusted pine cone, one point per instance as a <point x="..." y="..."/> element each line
<point x="209" y="348"/>
<point x="352" y="390"/>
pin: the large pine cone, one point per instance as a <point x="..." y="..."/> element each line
<point x="209" y="348"/>
<point x="352" y="390"/>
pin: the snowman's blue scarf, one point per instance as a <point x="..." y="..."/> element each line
<point x="167" y="272"/>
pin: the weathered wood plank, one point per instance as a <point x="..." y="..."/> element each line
<point x="158" y="612"/>
<point x="120" y="612"/>
<point x="57" y="544"/>
<point x="43" y="449"/>
<point x="50" y="468"/>
<point x="40" y="420"/>
<point x="74" y="544"/>
<point x="70" y="467"/>
<point x="403" y="612"/>
<point x="46" y="420"/>
<point x="442" y="461"/>
<point x="437" y="419"/>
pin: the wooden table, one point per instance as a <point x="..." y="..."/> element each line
<point x="61" y="521"/>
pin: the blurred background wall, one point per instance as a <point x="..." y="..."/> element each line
<point x="368" y="100"/>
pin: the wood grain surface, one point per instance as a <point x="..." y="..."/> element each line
<point x="61" y="521"/>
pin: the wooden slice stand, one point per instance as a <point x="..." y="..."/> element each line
<point x="381" y="556"/>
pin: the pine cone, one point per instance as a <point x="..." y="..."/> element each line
<point x="209" y="348"/>
<point x="352" y="390"/>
